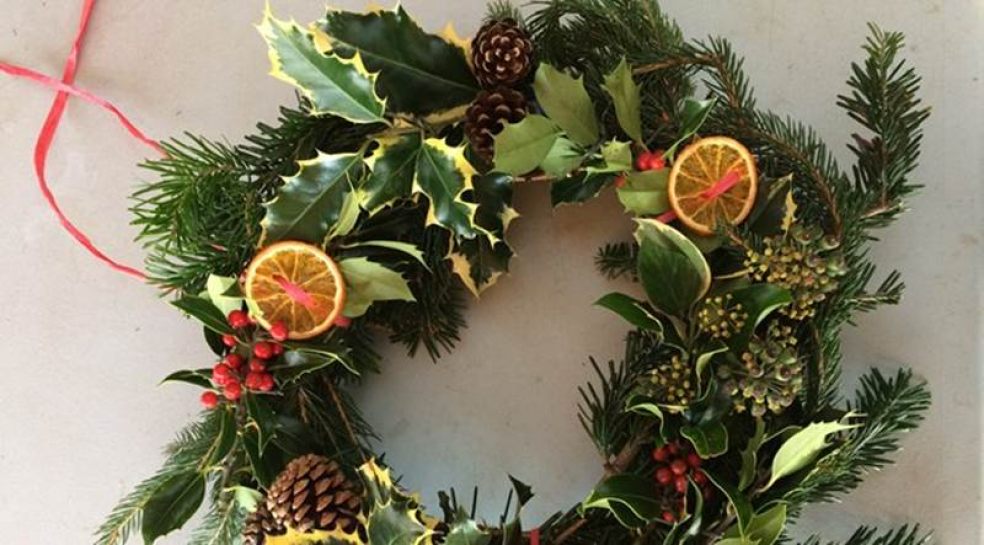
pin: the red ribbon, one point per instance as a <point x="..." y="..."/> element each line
<point x="535" y="536"/>
<point x="65" y="88"/>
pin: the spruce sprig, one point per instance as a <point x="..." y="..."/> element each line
<point x="905" y="535"/>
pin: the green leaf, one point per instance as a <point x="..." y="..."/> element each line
<point x="644" y="193"/>
<point x="617" y="156"/>
<point x="205" y="312"/>
<point x="579" y="188"/>
<point x="521" y="147"/>
<point x="465" y="531"/>
<point x="247" y="498"/>
<point x="739" y="503"/>
<point x="336" y="86"/>
<point x="444" y="175"/>
<point x="172" y="505"/>
<point x="369" y="282"/>
<point x="705" y="357"/>
<point x="765" y="528"/>
<point x="300" y="361"/>
<point x="348" y="216"/>
<point x="672" y="270"/>
<point x="626" y="494"/>
<point x="632" y="310"/>
<point x="709" y="439"/>
<point x="479" y="262"/>
<point x="625" y="96"/>
<point x="218" y="289"/>
<point x="311" y="202"/>
<point x="749" y="456"/>
<point x="196" y="377"/>
<point x="692" y="117"/>
<point x="563" y="158"/>
<point x="263" y="418"/>
<point x="419" y="73"/>
<point x="758" y="300"/>
<point x="393" y="524"/>
<point x="566" y="101"/>
<point x="406" y="248"/>
<point x="223" y="443"/>
<point x="393" y="164"/>
<point x="263" y="466"/>
<point x="802" y="449"/>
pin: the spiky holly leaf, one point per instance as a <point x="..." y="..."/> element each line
<point x="579" y="188"/>
<point x="368" y="282"/>
<point x="644" y="193"/>
<point x="393" y="164"/>
<point x="566" y="101"/>
<point x="443" y="175"/>
<point x="338" y="86"/>
<point x="419" y="73"/>
<point x="465" y="531"/>
<point x="481" y="260"/>
<point x="395" y="518"/>
<point x="311" y="202"/>
<point x="625" y="96"/>
<point x="522" y="147"/>
<point x="172" y="504"/>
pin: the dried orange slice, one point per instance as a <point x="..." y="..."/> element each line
<point x="297" y="284"/>
<point x="712" y="180"/>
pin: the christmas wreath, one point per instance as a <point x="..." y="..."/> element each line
<point x="378" y="202"/>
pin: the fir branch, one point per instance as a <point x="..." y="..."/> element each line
<point x="890" y="407"/>
<point x="499" y="10"/>
<point x="184" y="453"/>
<point x="906" y="535"/>
<point x="617" y="259"/>
<point x="223" y="524"/>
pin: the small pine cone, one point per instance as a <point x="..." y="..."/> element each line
<point x="502" y="53"/>
<point x="313" y="493"/>
<point x="260" y="525"/>
<point x="489" y="114"/>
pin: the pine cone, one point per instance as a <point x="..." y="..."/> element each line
<point x="502" y="53"/>
<point x="259" y="525"/>
<point x="489" y="114"/>
<point x="313" y="493"/>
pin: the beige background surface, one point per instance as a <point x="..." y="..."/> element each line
<point x="81" y="419"/>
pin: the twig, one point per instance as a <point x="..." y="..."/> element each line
<point x="345" y="420"/>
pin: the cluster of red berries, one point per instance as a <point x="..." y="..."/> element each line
<point x="234" y="373"/>
<point x="676" y="466"/>
<point x="647" y="160"/>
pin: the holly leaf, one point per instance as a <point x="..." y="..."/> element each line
<point x="406" y="248"/>
<point x="672" y="270"/>
<point x="566" y="101"/>
<point x="630" y="498"/>
<point x="579" y="188"/>
<point x="418" y="73"/>
<point x="521" y="147"/>
<point x="393" y="164"/>
<point x="644" y="193"/>
<point x="223" y="442"/>
<point x="368" y="282"/>
<point x="205" y="312"/>
<point x="335" y="86"/>
<point x="465" y="531"/>
<point x="563" y="158"/>
<point x="311" y="202"/>
<point x="634" y="311"/>
<point x="709" y="440"/>
<point x="749" y="456"/>
<point x="261" y="417"/>
<point x="480" y="261"/>
<point x="196" y="377"/>
<point x="223" y="292"/>
<point x="172" y="504"/>
<point x="444" y="175"/>
<point x="625" y="96"/>
<point x="617" y="156"/>
<point x="301" y="360"/>
<point x="739" y="503"/>
<point x="802" y="448"/>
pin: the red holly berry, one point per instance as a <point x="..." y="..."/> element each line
<point x="278" y="348"/>
<point x="661" y="454"/>
<point x="257" y="366"/>
<point x="693" y="460"/>
<point x="238" y="319"/>
<point x="673" y="448"/>
<point x="669" y="517"/>
<point x="229" y="340"/>
<point x="221" y="371"/>
<point x="620" y="181"/>
<point x="210" y="400"/>
<point x="678" y="467"/>
<point x="664" y="476"/>
<point x="263" y="350"/>
<point x="279" y="332"/>
<point x="642" y="161"/>
<point x="266" y="382"/>
<point x="232" y="391"/>
<point x="253" y="380"/>
<point x="700" y="477"/>
<point x="234" y="361"/>
<point x="343" y="321"/>
<point x="681" y="484"/>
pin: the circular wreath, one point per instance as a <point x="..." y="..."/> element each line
<point x="386" y="193"/>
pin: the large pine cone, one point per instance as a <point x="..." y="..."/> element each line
<point x="313" y="493"/>
<point x="259" y="525"/>
<point x="502" y="53"/>
<point x="489" y="114"/>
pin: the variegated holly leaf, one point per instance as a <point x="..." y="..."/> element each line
<point x="395" y="517"/>
<point x="419" y="73"/>
<point x="481" y="260"/>
<point x="338" y="86"/>
<point x="443" y="176"/>
<point x="311" y="202"/>
<point x="368" y="282"/>
<point x="393" y="164"/>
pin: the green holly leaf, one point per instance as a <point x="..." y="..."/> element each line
<point x="301" y="360"/>
<point x="368" y="282"/>
<point x="218" y="290"/>
<point x="336" y="86"/>
<point x="634" y="311"/>
<point x="480" y="261"/>
<point x="672" y="270"/>
<point x="644" y="193"/>
<point x="709" y="439"/>
<point x="617" y="156"/>
<point x="172" y="504"/>
<point x="630" y="498"/>
<point x="406" y="248"/>
<point x="195" y="377"/>
<point x="521" y="147"/>
<point x="563" y="158"/>
<point x="803" y="447"/>
<point x="443" y="176"/>
<point x="692" y="116"/>
<point x="392" y="165"/>
<point x="418" y="73"/>
<point x="579" y="188"/>
<point x="223" y="442"/>
<point x="625" y="96"/>
<point x="465" y="531"/>
<point x="261" y="417"/>
<point x="311" y="202"/>
<point x="566" y="101"/>
<point x="205" y="312"/>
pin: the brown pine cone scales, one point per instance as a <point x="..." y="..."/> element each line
<point x="313" y="493"/>
<point x="489" y="114"/>
<point x="502" y="53"/>
<point x="260" y="525"/>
